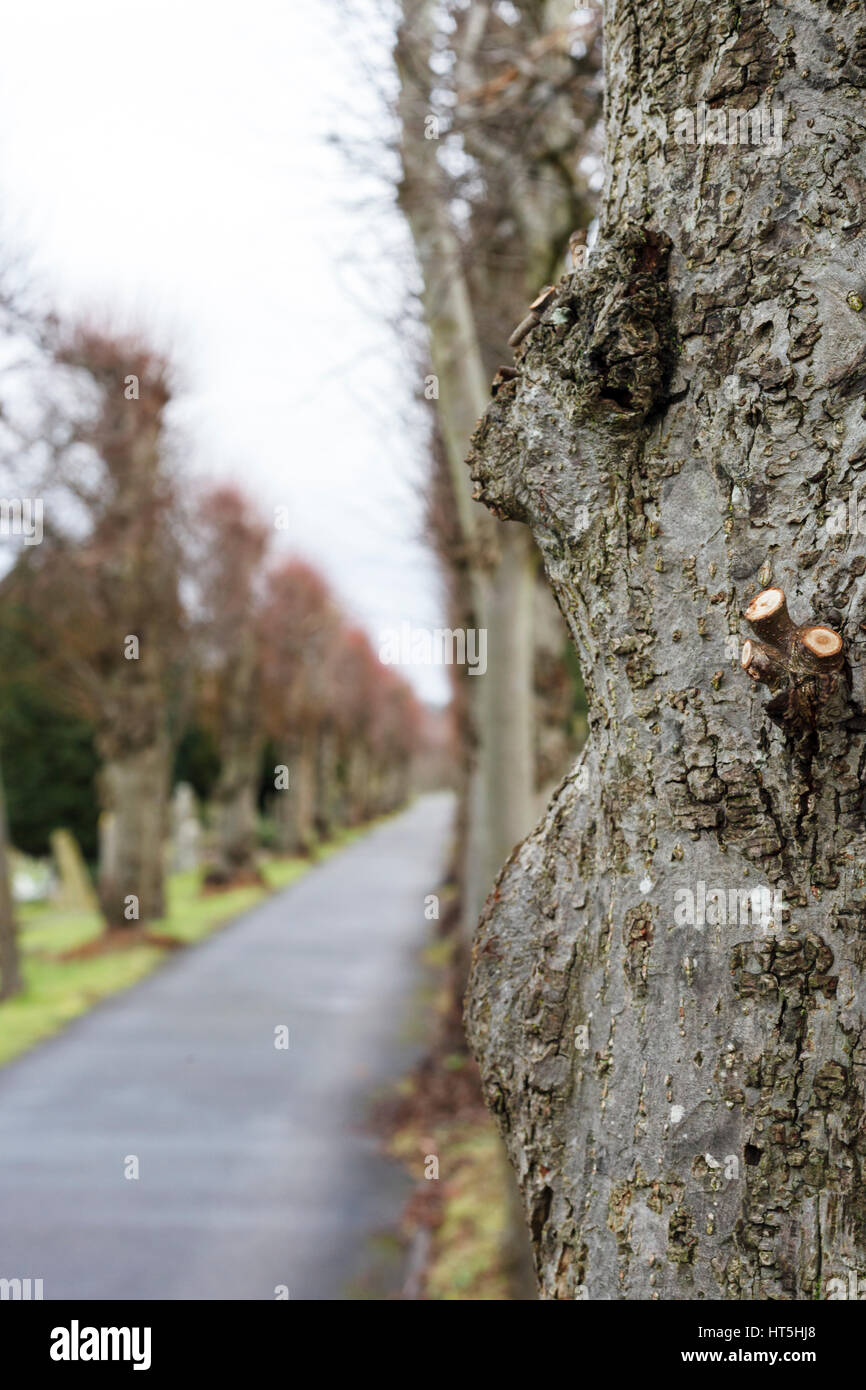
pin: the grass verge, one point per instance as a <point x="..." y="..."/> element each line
<point x="57" y="990"/>
<point x="457" y="1220"/>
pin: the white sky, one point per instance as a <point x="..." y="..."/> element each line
<point x="167" y="162"/>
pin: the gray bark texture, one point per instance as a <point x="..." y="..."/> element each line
<point x="684" y="1104"/>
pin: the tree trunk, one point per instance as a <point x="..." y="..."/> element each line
<point x="134" y="789"/>
<point x="498" y="559"/>
<point x="241" y="740"/>
<point x="327" y="784"/>
<point x="358" y="782"/>
<point x="296" y="804"/>
<point x="235" y="804"/>
<point x="560" y="728"/>
<point x="683" y="1102"/>
<point x="497" y="565"/>
<point x="509" y="707"/>
<point x="10" y="965"/>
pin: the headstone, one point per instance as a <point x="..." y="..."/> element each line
<point x="74" y="890"/>
<point x="185" y="830"/>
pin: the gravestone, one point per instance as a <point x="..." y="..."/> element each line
<point x="74" y="891"/>
<point x="185" y="830"/>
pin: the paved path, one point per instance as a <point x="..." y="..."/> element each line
<point x="255" y="1168"/>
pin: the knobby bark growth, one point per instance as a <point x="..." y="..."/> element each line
<point x="804" y="664"/>
<point x="681" y="1092"/>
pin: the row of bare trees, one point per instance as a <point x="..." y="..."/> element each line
<point x="497" y="121"/>
<point x="151" y="603"/>
<point x="497" y="117"/>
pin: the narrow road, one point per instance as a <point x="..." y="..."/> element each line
<point x="255" y="1168"/>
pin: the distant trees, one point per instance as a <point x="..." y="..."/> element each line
<point x="298" y="627"/>
<point x="344" y="725"/>
<point x="396" y="729"/>
<point x="497" y="109"/>
<point x="150" y="617"/>
<point x="378" y="726"/>
<point x="103" y="594"/>
<point x="232" y="542"/>
<point x="359" y="695"/>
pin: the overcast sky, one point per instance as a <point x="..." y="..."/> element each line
<point x="168" y="164"/>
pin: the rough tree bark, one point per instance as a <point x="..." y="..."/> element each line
<point x="683" y="1104"/>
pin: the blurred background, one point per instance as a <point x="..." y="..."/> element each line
<point x="259" y="267"/>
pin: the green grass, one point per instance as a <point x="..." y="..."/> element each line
<point x="468" y="1211"/>
<point x="56" y="991"/>
<point x="466" y="1256"/>
<point x="467" y="1247"/>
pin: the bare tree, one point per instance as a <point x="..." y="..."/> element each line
<point x="232" y="543"/>
<point x="299" y="627"/>
<point x="359" y="696"/>
<point x="495" y="112"/>
<point x="102" y="592"/>
<point x="345" y="725"/>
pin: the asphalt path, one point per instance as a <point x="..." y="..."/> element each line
<point x="257" y="1166"/>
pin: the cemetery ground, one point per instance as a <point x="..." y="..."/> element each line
<point x="62" y="981"/>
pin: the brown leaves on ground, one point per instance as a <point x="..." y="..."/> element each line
<point x="120" y="939"/>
